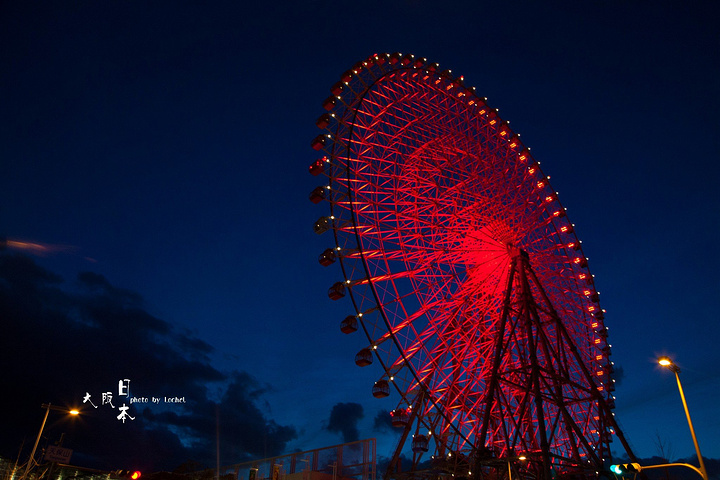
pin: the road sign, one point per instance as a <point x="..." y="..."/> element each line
<point x="58" y="454"/>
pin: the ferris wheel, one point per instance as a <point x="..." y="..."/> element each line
<point x="466" y="276"/>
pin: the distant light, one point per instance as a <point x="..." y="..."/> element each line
<point x="74" y="412"/>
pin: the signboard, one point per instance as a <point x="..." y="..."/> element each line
<point x="58" y="454"/>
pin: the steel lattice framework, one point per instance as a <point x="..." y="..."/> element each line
<point x="465" y="273"/>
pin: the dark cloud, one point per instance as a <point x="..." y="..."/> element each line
<point x="58" y="346"/>
<point x="383" y="422"/>
<point x="344" y="418"/>
<point x="618" y="375"/>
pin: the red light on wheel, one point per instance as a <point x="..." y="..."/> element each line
<point x="135" y="475"/>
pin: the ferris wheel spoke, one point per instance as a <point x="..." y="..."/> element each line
<point x="449" y="349"/>
<point x="406" y="322"/>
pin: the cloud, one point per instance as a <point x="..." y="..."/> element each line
<point x="619" y="375"/>
<point x="344" y="418"/>
<point x="383" y="422"/>
<point x="60" y="344"/>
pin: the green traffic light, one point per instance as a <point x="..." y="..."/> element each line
<point x="625" y="468"/>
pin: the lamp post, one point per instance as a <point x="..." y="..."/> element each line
<point x="47" y="408"/>
<point x="670" y="365"/>
<point x="522" y="458"/>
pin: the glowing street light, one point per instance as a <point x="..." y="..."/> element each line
<point x="522" y="458"/>
<point x="670" y="365"/>
<point x="47" y="408"/>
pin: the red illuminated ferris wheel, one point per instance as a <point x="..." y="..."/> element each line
<point x="466" y="277"/>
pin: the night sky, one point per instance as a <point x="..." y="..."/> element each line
<point x="159" y="152"/>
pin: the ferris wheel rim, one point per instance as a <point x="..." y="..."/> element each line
<point x="377" y="299"/>
<point x="366" y="266"/>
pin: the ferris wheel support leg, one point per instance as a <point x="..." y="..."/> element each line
<point x="497" y="358"/>
<point x="534" y="365"/>
<point x="574" y="428"/>
<point x="601" y="401"/>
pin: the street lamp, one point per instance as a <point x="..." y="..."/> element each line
<point x="47" y="408"/>
<point x="522" y="458"/>
<point x="670" y="365"/>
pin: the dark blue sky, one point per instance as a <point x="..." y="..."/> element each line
<point x="168" y="145"/>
